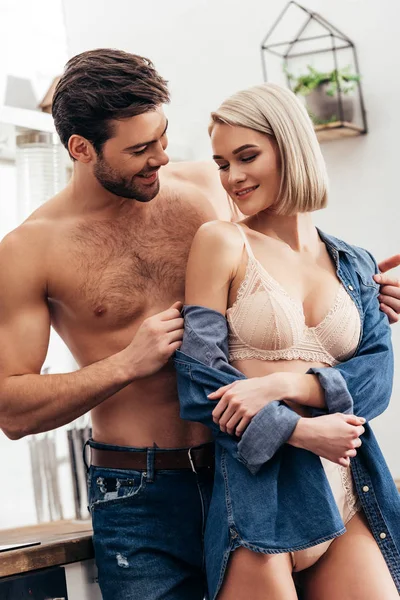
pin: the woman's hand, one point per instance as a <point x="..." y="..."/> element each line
<point x="242" y="400"/>
<point x="335" y="437"/>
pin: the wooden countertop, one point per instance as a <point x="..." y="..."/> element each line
<point x="62" y="542"/>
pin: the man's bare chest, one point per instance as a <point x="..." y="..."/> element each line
<point x="118" y="271"/>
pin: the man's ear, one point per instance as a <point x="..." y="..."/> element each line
<point x="81" y="149"/>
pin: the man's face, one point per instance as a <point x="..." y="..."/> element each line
<point x="129" y="161"/>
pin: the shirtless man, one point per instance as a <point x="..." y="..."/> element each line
<point x="105" y="267"/>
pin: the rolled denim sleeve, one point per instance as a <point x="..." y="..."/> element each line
<point x="267" y="432"/>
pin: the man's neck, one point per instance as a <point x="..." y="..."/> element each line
<point x="87" y="196"/>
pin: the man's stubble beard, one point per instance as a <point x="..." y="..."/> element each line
<point x="121" y="186"/>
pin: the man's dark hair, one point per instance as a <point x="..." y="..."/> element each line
<point x="100" y="85"/>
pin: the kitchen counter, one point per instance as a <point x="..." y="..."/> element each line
<point x="62" y="543"/>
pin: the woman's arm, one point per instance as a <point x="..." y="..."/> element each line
<point x="211" y="265"/>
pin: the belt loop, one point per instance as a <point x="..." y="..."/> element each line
<point x="84" y="455"/>
<point x="191" y="460"/>
<point x="150" y="464"/>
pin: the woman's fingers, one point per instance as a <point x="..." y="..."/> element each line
<point x="351" y="453"/>
<point x="220" y="392"/>
<point x="219" y="410"/>
<point x="242" y="426"/>
<point x="227" y="415"/>
<point x="232" y="423"/>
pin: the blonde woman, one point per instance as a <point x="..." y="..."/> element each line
<point x="296" y="314"/>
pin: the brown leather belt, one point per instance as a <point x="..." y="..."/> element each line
<point x="196" y="458"/>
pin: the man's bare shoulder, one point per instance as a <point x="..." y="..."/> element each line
<point x="202" y="172"/>
<point x="23" y="244"/>
<point x="26" y="247"/>
<point x="199" y="180"/>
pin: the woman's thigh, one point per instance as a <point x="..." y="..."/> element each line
<point x="353" y="568"/>
<point x="256" y="576"/>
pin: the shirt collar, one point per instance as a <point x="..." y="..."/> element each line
<point x="336" y="244"/>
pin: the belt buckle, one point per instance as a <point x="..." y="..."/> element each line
<point x="191" y="460"/>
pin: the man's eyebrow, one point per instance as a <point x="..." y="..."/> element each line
<point x="136" y="146"/>
<point x="245" y="147"/>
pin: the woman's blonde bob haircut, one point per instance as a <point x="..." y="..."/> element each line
<point x="277" y="112"/>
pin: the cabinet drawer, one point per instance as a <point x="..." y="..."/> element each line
<point x="47" y="584"/>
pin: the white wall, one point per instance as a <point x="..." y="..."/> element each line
<point x="32" y="46"/>
<point x="210" y="48"/>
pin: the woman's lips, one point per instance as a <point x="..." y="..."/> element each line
<point x="245" y="192"/>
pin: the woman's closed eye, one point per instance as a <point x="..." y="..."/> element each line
<point x="245" y="159"/>
<point x="248" y="158"/>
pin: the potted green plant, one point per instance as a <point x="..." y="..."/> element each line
<point x="321" y="91"/>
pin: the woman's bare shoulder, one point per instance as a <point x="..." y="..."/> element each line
<point x="220" y="234"/>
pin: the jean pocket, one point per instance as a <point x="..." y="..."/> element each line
<point x="113" y="486"/>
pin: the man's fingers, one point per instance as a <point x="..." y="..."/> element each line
<point x="175" y="346"/>
<point x="389" y="263"/>
<point x="393" y="316"/>
<point x="344" y="462"/>
<point x="173" y="312"/>
<point x="387" y="280"/>
<point x="173" y="325"/>
<point x="178" y="305"/>
<point x="390" y="301"/>
<point x="175" y="336"/>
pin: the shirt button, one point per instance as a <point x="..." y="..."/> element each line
<point x="351" y="288"/>
<point x="365" y="488"/>
<point x="382" y="535"/>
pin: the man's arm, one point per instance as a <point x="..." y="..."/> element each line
<point x="30" y="402"/>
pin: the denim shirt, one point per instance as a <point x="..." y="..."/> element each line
<point x="269" y="496"/>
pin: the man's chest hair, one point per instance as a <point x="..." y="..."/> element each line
<point x="118" y="263"/>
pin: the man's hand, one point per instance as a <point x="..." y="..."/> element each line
<point x="334" y="437"/>
<point x="155" y="341"/>
<point x="390" y="289"/>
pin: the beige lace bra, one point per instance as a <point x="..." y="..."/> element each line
<point x="266" y="323"/>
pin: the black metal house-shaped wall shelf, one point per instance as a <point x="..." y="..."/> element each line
<point x="320" y="62"/>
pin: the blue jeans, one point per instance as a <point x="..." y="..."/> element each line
<point x="148" y="531"/>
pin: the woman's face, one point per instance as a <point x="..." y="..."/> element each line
<point x="249" y="165"/>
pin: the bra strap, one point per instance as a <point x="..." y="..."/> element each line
<point x="245" y="240"/>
